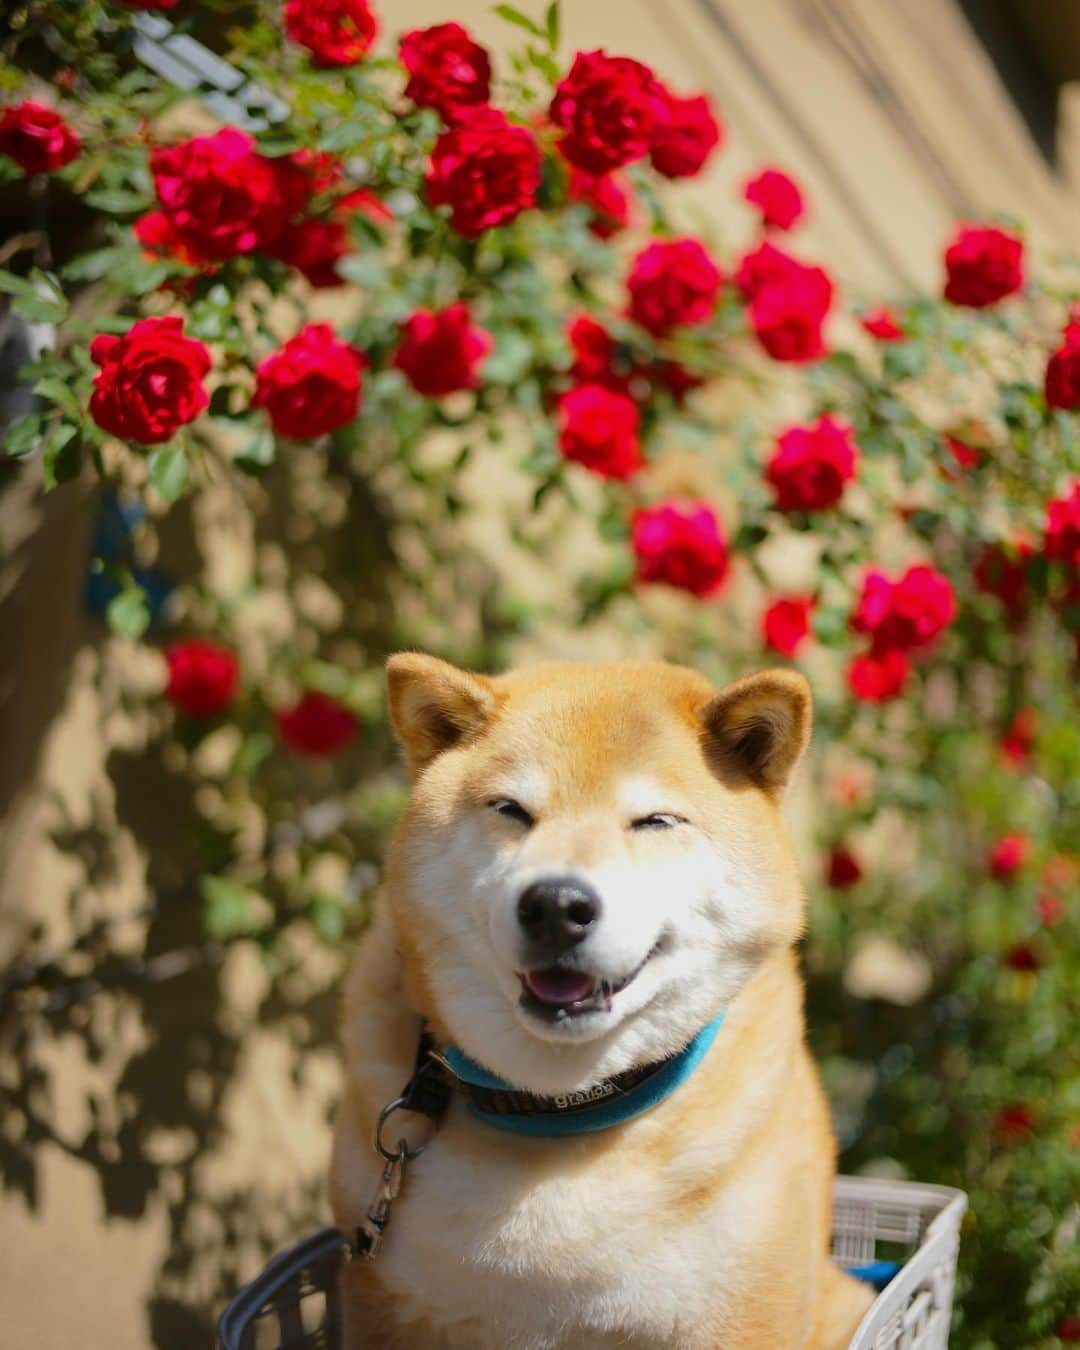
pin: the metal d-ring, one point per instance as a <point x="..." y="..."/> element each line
<point x="402" y="1150"/>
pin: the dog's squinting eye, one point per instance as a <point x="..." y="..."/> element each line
<point x="659" y="820"/>
<point x="506" y="806"/>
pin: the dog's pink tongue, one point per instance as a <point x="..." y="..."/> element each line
<point x="553" y="985"/>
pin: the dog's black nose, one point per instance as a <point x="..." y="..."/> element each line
<point x="558" y="912"/>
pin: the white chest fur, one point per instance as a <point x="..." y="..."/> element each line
<point x="551" y="1245"/>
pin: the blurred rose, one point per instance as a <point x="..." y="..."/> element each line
<point x="777" y="197"/>
<point x="673" y="283"/>
<point x="811" y="465"/>
<point x="785" y="625"/>
<point x="203" y="677"/>
<point x="311" y="385"/>
<point x="908" y="613"/>
<point x="877" y="677"/>
<point x="441" y="351"/>
<point x="36" y="137"/>
<point x="685" y="136"/>
<point x="608" y="107"/>
<point x="1009" y="854"/>
<point x="447" y="69"/>
<point x="599" y="429"/>
<point x="881" y="323"/>
<point x="681" y="544"/>
<point x="335" y="32"/>
<point x="606" y="195"/>
<point x="484" y="169"/>
<point x="317" y="725"/>
<point x="843" y="868"/>
<point x="983" y="265"/>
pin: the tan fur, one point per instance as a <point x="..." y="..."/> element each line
<point x="742" y="1153"/>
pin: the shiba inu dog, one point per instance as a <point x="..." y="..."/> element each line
<point x="591" y="901"/>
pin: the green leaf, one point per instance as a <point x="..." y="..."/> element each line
<point x="515" y="16"/>
<point x="22" y="436"/>
<point x="552" y="24"/>
<point x="40" y="308"/>
<point x="61" y="455"/>
<point x="327" y="917"/>
<point x="117" y="201"/>
<point x="258" y="453"/>
<point x="14" y="285"/>
<point x="904" y="361"/>
<point x="56" y="391"/>
<point x="545" y="63"/>
<point x="169" y="471"/>
<point x="510" y="358"/>
<point x="128" y="614"/>
<point x="229" y="909"/>
<point x="90" y="266"/>
<point x="253" y="750"/>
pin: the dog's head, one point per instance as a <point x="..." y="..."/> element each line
<point x="592" y="863"/>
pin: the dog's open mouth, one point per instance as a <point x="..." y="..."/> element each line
<point x="556" y="993"/>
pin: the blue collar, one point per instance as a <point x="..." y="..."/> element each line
<point x="614" y="1108"/>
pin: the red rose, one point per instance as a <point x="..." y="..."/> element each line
<point x="681" y="544"/>
<point x="1022" y="956"/>
<point x="365" y="203"/>
<point x="221" y="197"/>
<point x="964" y="455"/>
<point x="875" y="677"/>
<point x="150" y="382"/>
<point x="148" y="4"/>
<point x="764" y="266"/>
<point x="311" y="385"/>
<point x="599" y="429"/>
<point x="595" y="353"/>
<point x="675" y="378"/>
<point x="36" y="137"/>
<point x="1001" y="569"/>
<point x="484" y="169"/>
<point x="1062" y="382"/>
<point x="335" y="32"/>
<point x="1008" y="855"/>
<point x="440" y="351"/>
<point x="609" y="108"/>
<point x="315" y="247"/>
<point x="1019" y="736"/>
<point x="447" y="69"/>
<point x="983" y="265"/>
<point x="685" y="136"/>
<point x="1068" y="1329"/>
<point x="1050" y="908"/>
<point x="1014" y="1123"/>
<point x="673" y="283"/>
<point x="811" y="465"/>
<point x="203" y="677"/>
<point x="842" y="869"/>
<point x="609" y="199"/>
<point x="777" y="197"/>
<point x="905" y="614"/>
<point x="317" y="725"/>
<point x="1062" y="541"/>
<point x="881" y="323"/>
<point x="156" y="234"/>
<point x="787" y="317"/>
<point x="785" y="625"/>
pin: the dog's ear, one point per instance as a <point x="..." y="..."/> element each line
<point x="433" y="705"/>
<point x="757" y="728"/>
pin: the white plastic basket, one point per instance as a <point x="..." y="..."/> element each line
<point x="877" y="1225"/>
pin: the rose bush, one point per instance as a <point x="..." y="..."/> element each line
<point x="520" y="304"/>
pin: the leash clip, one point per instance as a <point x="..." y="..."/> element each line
<point x="369" y="1236"/>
